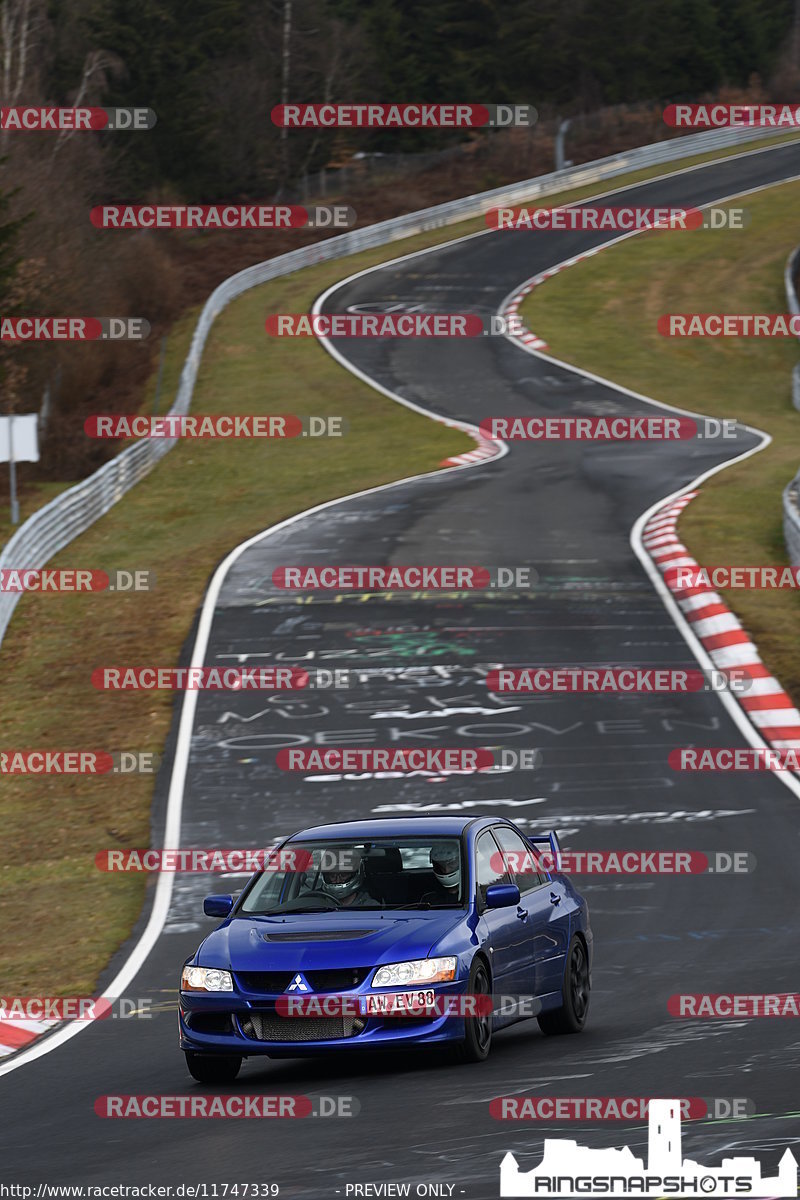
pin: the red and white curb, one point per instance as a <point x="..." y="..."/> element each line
<point x="486" y="448"/>
<point x="18" y="1033"/>
<point x="766" y="704"/>
<point x="511" y="307"/>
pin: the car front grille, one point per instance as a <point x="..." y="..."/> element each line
<point x="273" y="983"/>
<point x="266" y="982"/>
<point x="269" y="1027"/>
<point x="340" y="979"/>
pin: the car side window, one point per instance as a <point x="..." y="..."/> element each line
<point x="520" y="859"/>
<point x="488" y="866"/>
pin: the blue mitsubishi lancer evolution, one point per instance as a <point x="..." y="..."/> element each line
<point x="388" y="933"/>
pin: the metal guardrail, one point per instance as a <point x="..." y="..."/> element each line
<point x="791" y="493"/>
<point x="53" y="527"/>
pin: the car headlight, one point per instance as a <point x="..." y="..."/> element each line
<point x="421" y="970"/>
<point x="206" y="979"/>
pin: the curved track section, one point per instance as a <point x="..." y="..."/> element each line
<point x="567" y="510"/>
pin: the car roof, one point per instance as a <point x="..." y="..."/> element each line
<point x="421" y="825"/>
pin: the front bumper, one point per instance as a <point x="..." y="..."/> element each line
<point x="236" y="1023"/>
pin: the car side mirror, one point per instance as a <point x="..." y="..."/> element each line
<point x="217" y="906"/>
<point x="502" y="895"/>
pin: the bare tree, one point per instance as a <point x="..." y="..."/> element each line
<point x="98" y="68"/>
<point x="286" y="61"/>
<point x="22" y="27"/>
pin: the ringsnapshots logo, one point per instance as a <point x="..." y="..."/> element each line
<point x="569" y="1169"/>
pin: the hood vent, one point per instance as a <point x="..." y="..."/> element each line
<point x="327" y="935"/>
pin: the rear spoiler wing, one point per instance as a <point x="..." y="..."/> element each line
<point x="550" y="842"/>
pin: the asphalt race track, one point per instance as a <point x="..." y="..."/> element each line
<point x="565" y="509"/>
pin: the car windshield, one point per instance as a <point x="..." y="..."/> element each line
<point x="379" y="873"/>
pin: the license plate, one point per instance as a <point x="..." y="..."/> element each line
<point x="398" y="1004"/>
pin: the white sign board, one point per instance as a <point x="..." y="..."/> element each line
<point x="23" y="438"/>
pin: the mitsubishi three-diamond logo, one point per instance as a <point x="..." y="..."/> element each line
<point x="298" y="984"/>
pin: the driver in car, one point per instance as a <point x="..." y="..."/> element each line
<point x="346" y="881"/>
<point x="446" y="866"/>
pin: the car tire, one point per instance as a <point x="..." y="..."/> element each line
<point x="477" y="1041"/>
<point x="211" y="1068"/>
<point x="571" y="1016"/>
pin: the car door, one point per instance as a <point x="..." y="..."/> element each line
<point x="547" y="907"/>
<point x="501" y="929"/>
